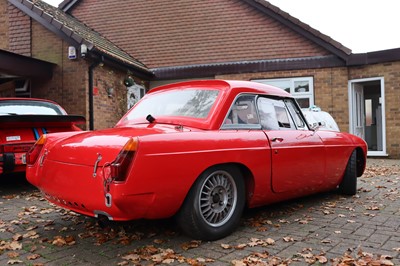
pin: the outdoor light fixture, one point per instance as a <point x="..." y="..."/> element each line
<point x="84" y="50"/>
<point x="129" y="81"/>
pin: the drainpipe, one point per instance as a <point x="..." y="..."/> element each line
<point x="91" y="100"/>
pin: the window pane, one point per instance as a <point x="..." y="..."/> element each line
<point x="295" y="113"/>
<point x="21" y="107"/>
<point x="274" y="115"/>
<point x="303" y="102"/>
<point x="301" y="86"/>
<point x="189" y="103"/>
<point x="267" y="114"/>
<point x="283" y="84"/>
<point x="243" y="111"/>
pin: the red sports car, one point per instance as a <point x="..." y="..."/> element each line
<point x="22" y="122"/>
<point x="200" y="151"/>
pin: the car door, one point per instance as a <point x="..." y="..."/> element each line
<point x="298" y="154"/>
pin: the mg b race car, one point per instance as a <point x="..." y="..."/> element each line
<point x="199" y="151"/>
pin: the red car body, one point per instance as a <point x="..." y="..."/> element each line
<point x="22" y="122"/>
<point x="199" y="150"/>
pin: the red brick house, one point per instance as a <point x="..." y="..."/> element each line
<point x="158" y="42"/>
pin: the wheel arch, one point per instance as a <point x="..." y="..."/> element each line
<point x="246" y="173"/>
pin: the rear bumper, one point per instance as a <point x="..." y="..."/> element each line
<point x="74" y="187"/>
<point x="12" y="162"/>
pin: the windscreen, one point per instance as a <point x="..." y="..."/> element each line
<point x="195" y="103"/>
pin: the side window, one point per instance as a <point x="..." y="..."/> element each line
<point x="295" y="112"/>
<point x="243" y="111"/>
<point x="274" y="115"/>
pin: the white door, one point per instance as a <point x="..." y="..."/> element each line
<point x="358" y="111"/>
<point x="367" y="113"/>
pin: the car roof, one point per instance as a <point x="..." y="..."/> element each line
<point x="229" y="90"/>
<point x="227" y="85"/>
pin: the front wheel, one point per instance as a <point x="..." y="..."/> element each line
<point x="214" y="205"/>
<point x="348" y="186"/>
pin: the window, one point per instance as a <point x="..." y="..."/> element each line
<point x="29" y="107"/>
<point x="295" y="112"/>
<point x="195" y="103"/>
<point x="302" y="88"/>
<point x="243" y="111"/>
<point x="274" y="115"/>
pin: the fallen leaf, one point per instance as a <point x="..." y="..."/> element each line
<point x="14" y="262"/>
<point x="191" y="244"/>
<point x="12" y="255"/>
<point x="321" y="259"/>
<point x="288" y="239"/>
<point x="226" y="246"/>
<point x="15" y="245"/>
<point x="33" y="257"/>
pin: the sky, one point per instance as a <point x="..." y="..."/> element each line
<point x="361" y="25"/>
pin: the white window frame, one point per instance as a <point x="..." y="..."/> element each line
<point x="297" y="95"/>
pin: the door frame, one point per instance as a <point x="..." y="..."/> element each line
<point x="351" y="94"/>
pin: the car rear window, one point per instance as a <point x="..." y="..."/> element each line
<point x="20" y="107"/>
<point x="195" y="103"/>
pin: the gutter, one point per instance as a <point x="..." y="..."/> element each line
<point x="91" y="87"/>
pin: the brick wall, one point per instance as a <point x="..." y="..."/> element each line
<point x="108" y="110"/>
<point x="3" y="25"/>
<point x="70" y="83"/>
<point x="19" y="31"/>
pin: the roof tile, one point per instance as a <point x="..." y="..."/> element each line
<point x="190" y="32"/>
<point x="77" y="30"/>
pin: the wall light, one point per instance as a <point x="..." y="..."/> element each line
<point x="84" y="50"/>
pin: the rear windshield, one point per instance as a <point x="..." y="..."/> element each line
<point x="21" y="107"/>
<point x="195" y="103"/>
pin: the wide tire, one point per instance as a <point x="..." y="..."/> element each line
<point x="214" y="205"/>
<point x="348" y="186"/>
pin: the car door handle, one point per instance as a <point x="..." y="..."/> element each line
<point x="277" y="139"/>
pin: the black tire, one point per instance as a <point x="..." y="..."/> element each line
<point x="214" y="204"/>
<point x="348" y="186"/>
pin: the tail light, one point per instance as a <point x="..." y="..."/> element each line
<point x="120" y="166"/>
<point x="33" y="153"/>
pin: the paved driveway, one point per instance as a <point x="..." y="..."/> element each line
<point x="323" y="229"/>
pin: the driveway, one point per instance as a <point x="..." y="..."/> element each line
<point x="325" y="229"/>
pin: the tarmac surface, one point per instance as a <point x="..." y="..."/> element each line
<point x="324" y="229"/>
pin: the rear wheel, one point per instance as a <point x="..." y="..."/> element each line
<point x="348" y="186"/>
<point x="214" y="205"/>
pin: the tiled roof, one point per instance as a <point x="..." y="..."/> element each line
<point x="305" y="27"/>
<point x="188" y="32"/>
<point x="75" y="31"/>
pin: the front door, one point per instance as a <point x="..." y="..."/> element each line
<point x="298" y="154"/>
<point x="367" y="113"/>
<point x="298" y="160"/>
